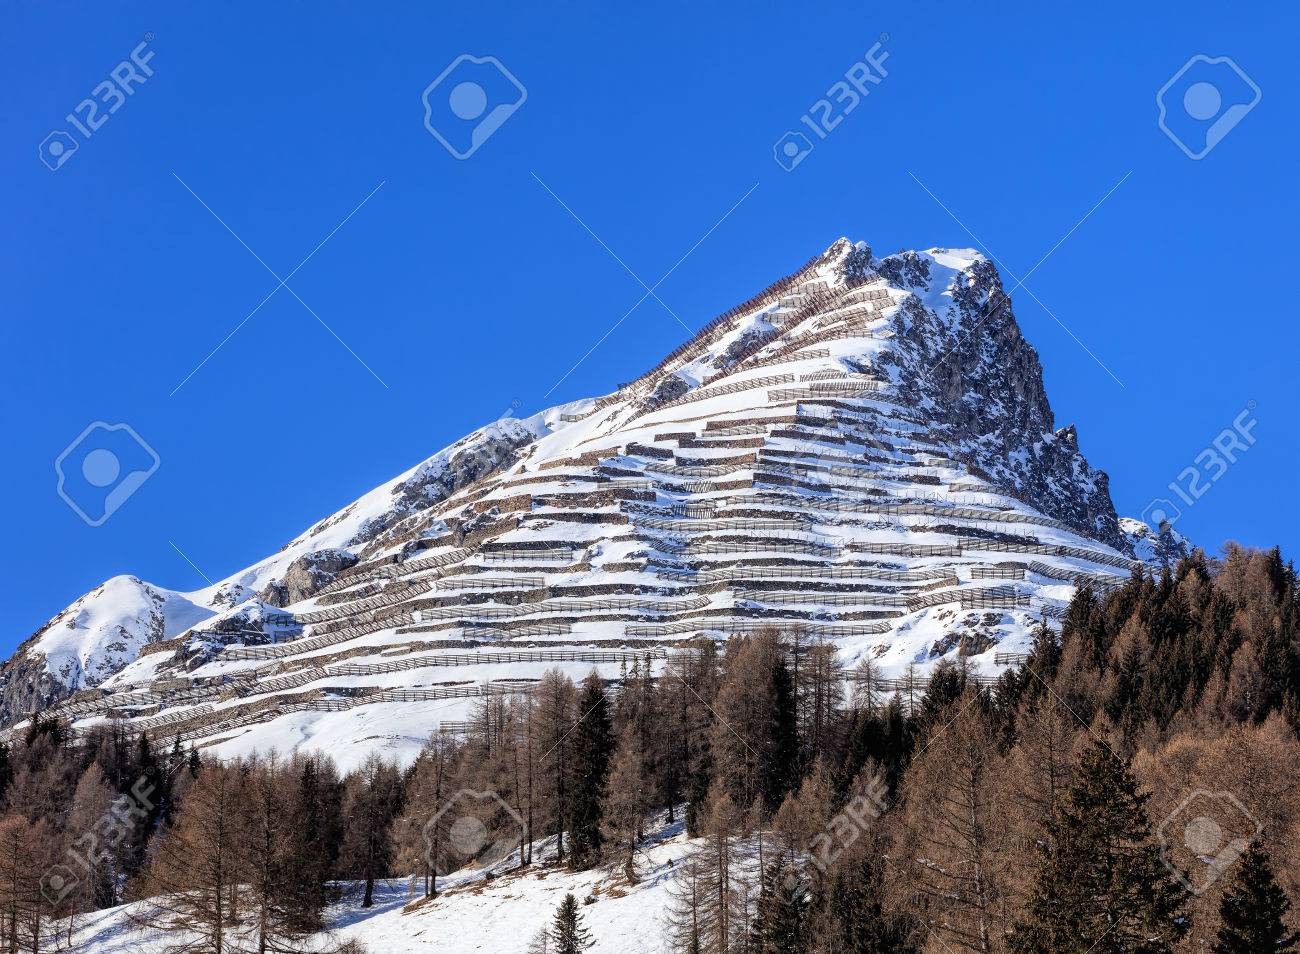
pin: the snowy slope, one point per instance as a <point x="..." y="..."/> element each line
<point x="500" y="916"/>
<point x="92" y="639"/>
<point x="105" y="630"/>
<point x="864" y="449"/>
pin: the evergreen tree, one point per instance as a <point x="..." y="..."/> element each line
<point x="372" y="801"/>
<point x="780" y="767"/>
<point x="1254" y="909"/>
<point x="780" y="924"/>
<point x="853" y="918"/>
<point x="568" y="936"/>
<point x="1101" y="886"/>
<point x="591" y="748"/>
<point x="755" y="744"/>
<point x="316" y="829"/>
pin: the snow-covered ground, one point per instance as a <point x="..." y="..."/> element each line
<point x="496" y="916"/>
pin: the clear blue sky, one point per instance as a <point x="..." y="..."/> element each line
<point x="466" y="286"/>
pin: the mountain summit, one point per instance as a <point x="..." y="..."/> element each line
<point x="863" y="450"/>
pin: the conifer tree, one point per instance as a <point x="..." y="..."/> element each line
<point x="590" y="750"/>
<point x="853" y="919"/>
<point x="568" y="936"/>
<point x="1101" y="886"/>
<point x="282" y="916"/>
<point x="755" y="742"/>
<point x="316" y="828"/>
<point x="191" y="880"/>
<point x="372" y="801"/>
<point x="1253" y="910"/>
<point x="953" y="795"/>
<point x="780" y="924"/>
<point x="552" y="721"/>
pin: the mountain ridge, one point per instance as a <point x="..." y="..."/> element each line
<point x="933" y="330"/>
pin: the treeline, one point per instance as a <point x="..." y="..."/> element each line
<point x="1134" y="787"/>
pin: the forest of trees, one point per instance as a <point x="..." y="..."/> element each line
<point x="1133" y="787"/>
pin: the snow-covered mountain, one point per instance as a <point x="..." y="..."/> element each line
<point x="865" y="449"/>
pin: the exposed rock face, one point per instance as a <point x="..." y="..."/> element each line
<point x="306" y="576"/>
<point x="961" y="358"/>
<point x="89" y="641"/>
<point x="466" y="461"/>
<point x="671" y="388"/>
<point x="1164" y="546"/>
<point x="27" y="686"/>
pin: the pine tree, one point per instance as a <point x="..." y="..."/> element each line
<point x="1253" y="910"/>
<point x="422" y="831"/>
<point x="688" y="916"/>
<point x="552" y="721"/>
<point x="26" y="850"/>
<point x="780" y="766"/>
<point x="282" y="914"/>
<point x="755" y="744"/>
<point x="1101" y="886"/>
<point x="953" y="814"/>
<point x="568" y="936"/>
<point x="590" y="750"/>
<point x="316" y="828"/>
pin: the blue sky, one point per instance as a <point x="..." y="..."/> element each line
<point x="460" y="287"/>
